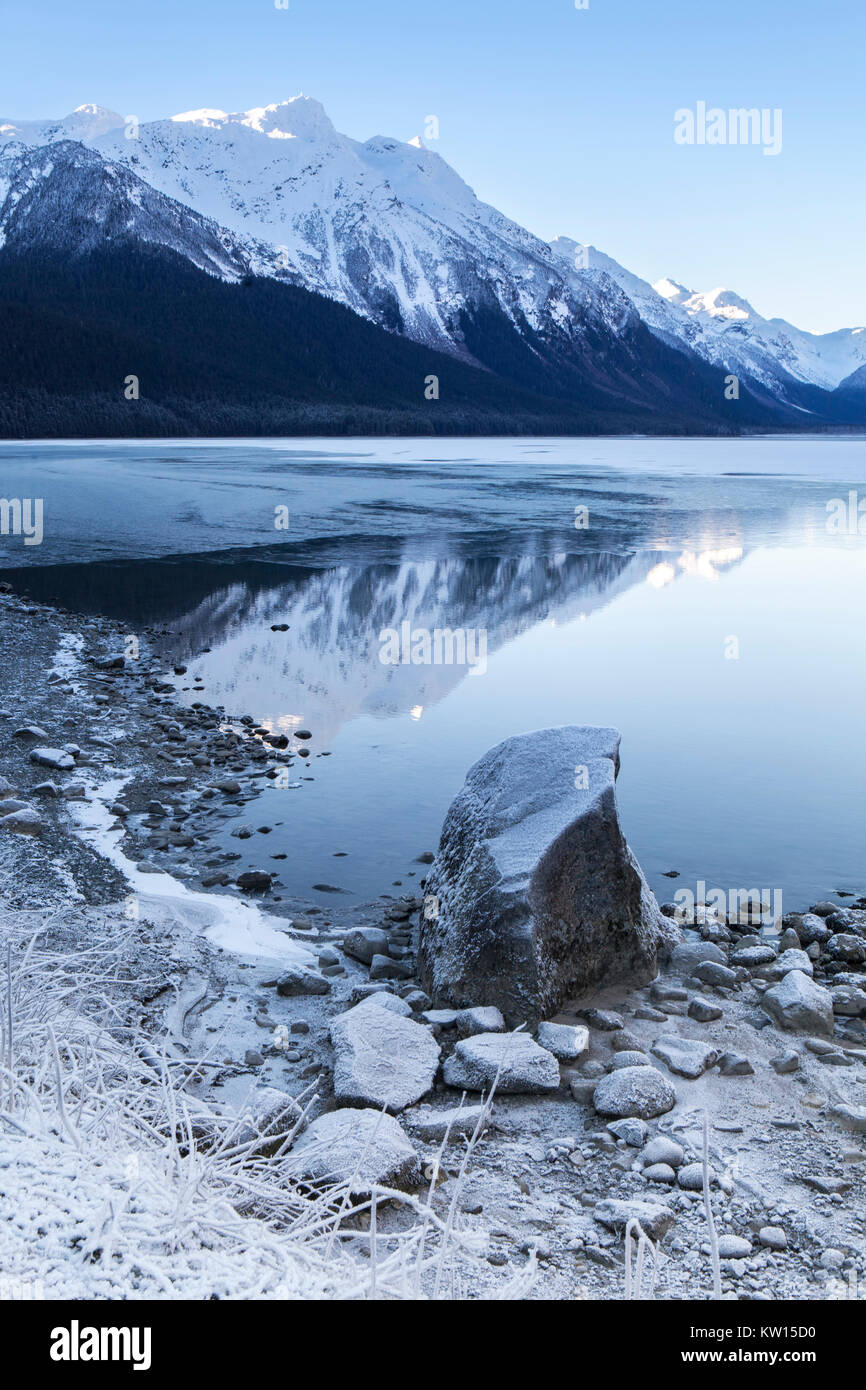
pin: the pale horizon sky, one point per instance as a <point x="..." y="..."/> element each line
<point x="561" y="118"/>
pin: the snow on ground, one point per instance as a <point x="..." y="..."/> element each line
<point x="229" y="922"/>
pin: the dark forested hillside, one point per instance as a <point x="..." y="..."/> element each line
<point x="264" y="358"/>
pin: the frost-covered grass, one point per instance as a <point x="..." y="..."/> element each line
<point x="107" y="1192"/>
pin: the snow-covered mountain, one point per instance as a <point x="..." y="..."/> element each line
<point x="85" y="123"/>
<point x="71" y="199"/>
<point x="389" y="229"/>
<point x="725" y="330"/>
<point x="385" y="227"/>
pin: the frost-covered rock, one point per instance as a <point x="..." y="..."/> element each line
<point x="662" y="1149"/>
<point x="684" y="1056"/>
<point x="382" y="1058"/>
<point x="539" y="897"/>
<point x="850" y="1117"/>
<point x="486" y="1019"/>
<point x="792" y="959"/>
<point x="458" y="1122"/>
<point x="634" y="1091"/>
<point x="848" y="1000"/>
<point x="24" y="821"/>
<point x="383" y="999"/>
<point x="300" y="979"/>
<point x="52" y="757"/>
<point x="734" y="1247"/>
<point x="363" y="943"/>
<point x="565" y="1041"/>
<point x="632" y="1132"/>
<point x="522" y="1066"/>
<point x="797" y="1002"/>
<point x="364" y="1148"/>
<point x="687" y="955"/>
<point x="655" y="1219"/>
<point x="628" y="1059"/>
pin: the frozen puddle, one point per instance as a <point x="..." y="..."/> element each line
<point x="235" y="925"/>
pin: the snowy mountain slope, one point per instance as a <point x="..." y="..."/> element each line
<point x="68" y="198"/>
<point x="726" y="330"/>
<point x="388" y="229"/>
<point x="85" y="123"/>
<point x="824" y="359"/>
<point x="385" y="227"/>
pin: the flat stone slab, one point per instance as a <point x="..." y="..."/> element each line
<point x="539" y="898"/>
<point x="458" y="1122"/>
<point x="684" y="1056"/>
<point x="52" y="757"/>
<point x="850" y="1117"/>
<point x="521" y="1065"/>
<point x="486" y="1019"/>
<point x="363" y="1148"/>
<point x="634" y="1091"/>
<point x="798" y="1003"/>
<point x="654" y="1218"/>
<point x="382" y="1058"/>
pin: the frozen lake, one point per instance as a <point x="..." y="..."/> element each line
<point x="702" y="596"/>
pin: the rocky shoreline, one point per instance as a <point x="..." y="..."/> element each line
<point x="597" y="1120"/>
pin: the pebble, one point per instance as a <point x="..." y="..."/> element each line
<point x="773" y="1237"/>
<point x="734" y="1247"/>
<point x="702" y="1011"/>
<point x="567" y="1043"/>
<point x="733" y="1064"/>
<point x="604" y="1020"/>
<point x="685" y="1056"/>
<point x="788" y="1062"/>
<point x="691" y="1177"/>
<point x="634" y="1091"/>
<point x="660" y="1172"/>
<point x="663" y="1150"/>
<point x="632" y="1132"/>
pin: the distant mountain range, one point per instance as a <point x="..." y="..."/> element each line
<point x="259" y="273"/>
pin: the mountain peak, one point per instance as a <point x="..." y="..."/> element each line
<point x="672" y="290"/>
<point x="298" y="118"/>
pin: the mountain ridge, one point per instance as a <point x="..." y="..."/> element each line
<point x="389" y="230"/>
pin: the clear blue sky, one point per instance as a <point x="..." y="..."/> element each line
<point x="561" y="118"/>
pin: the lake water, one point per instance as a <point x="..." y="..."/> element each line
<point x="706" y="608"/>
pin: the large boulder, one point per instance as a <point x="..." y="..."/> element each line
<point x="534" y="896"/>
<point x="381" y="1058"/>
